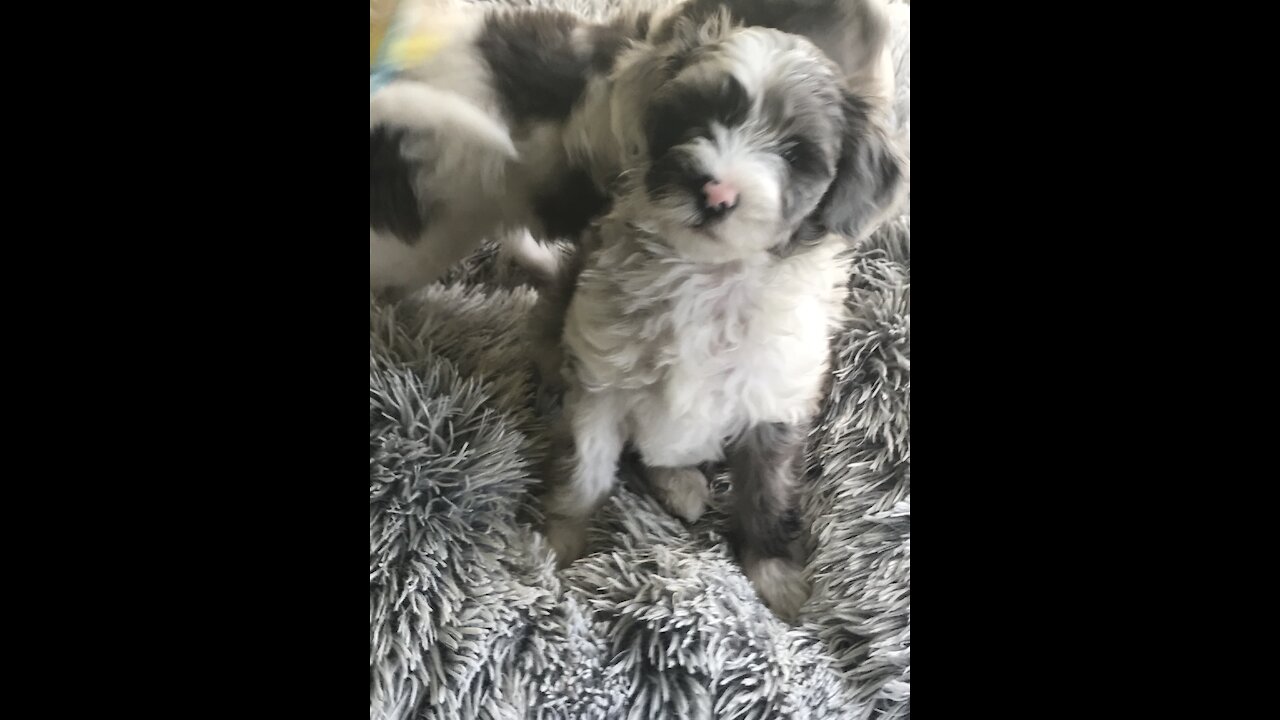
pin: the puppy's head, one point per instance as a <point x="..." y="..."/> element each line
<point x="753" y="143"/>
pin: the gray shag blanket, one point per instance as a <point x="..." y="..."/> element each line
<point x="468" y="617"/>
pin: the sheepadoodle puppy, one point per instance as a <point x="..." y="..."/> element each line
<point x="700" y="306"/>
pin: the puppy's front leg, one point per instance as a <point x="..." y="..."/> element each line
<point x="683" y="491"/>
<point x="763" y="467"/>
<point x="581" y="478"/>
<point x="546" y="327"/>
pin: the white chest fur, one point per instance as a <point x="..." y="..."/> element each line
<point x="695" y="353"/>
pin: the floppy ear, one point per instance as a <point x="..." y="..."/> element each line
<point x="871" y="175"/>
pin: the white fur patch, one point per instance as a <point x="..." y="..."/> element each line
<point x="698" y="353"/>
<point x="414" y="106"/>
<point x="542" y="260"/>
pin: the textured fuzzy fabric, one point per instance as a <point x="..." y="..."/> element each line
<point x="468" y="617"/>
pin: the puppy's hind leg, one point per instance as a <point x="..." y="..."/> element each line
<point x="583" y="470"/>
<point x="763" y="467"/>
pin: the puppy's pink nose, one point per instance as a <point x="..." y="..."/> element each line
<point x="719" y="195"/>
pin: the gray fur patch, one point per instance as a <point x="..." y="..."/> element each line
<point x="763" y="464"/>
<point x="540" y="59"/>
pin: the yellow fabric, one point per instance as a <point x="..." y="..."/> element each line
<point x="407" y="48"/>
<point x="378" y="30"/>
<point x="413" y="49"/>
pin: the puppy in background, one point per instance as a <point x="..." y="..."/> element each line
<point x="467" y="144"/>
<point x="500" y="130"/>
<point x="701" y="306"/>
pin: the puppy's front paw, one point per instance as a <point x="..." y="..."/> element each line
<point x="682" y="491"/>
<point x="780" y="583"/>
<point x="549" y="388"/>
<point x="568" y="538"/>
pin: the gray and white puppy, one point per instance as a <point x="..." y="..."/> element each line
<point x="699" y="321"/>
<point x="501" y="132"/>
<point x="467" y="144"/>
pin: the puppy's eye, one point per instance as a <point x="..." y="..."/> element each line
<point x="802" y="155"/>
